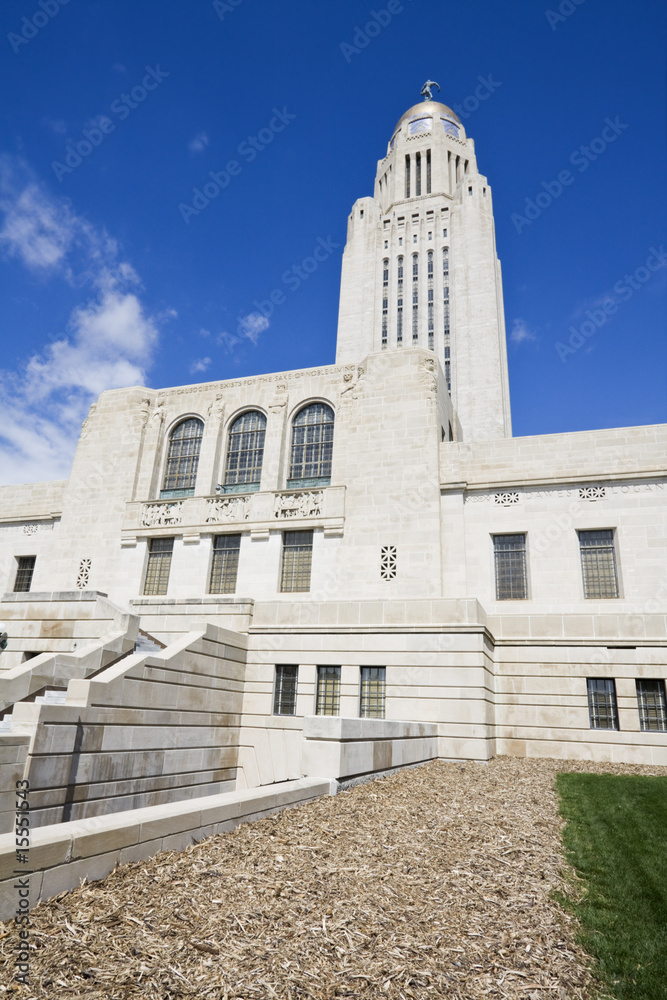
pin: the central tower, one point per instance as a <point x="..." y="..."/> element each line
<point x="420" y="268"/>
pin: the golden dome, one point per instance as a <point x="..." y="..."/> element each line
<point x="426" y="108"/>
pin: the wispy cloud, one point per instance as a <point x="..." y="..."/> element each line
<point x="199" y="143"/>
<point x="521" y="332"/>
<point x="200" y="365"/>
<point x="108" y="340"/>
<point x="248" y="328"/>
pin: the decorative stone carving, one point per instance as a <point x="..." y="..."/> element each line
<point x="280" y="399"/>
<point x="388" y="562"/>
<point x="158" y="413"/>
<point x="30" y="529"/>
<point x="216" y="408"/>
<point x="227" y="509"/>
<point x="506" y="499"/>
<point x="307" y="504"/>
<point x="353" y="379"/>
<point x="161" y="515"/>
<point x="429" y="375"/>
<point x="592" y="493"/>
<point x="83" y="574"/>
<point x="85" y="426"/>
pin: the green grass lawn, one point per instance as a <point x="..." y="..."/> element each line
<point x="616" y="839"/>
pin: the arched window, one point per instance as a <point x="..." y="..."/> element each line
<point x="245" y="451"/>
<point x="180" y="472"/>
<point x="312" y="445"/>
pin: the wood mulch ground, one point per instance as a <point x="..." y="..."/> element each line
<point x="433" y="882"/>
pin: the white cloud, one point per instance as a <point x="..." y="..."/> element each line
<point x="108" y="341"/>
<point x="521" y="332"/>
<point x="199" y="143"/>
<point x="249" y="327"/>
<point x="200" y="365"/>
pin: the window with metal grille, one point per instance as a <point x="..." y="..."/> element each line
<point x="225" y="564"/>
<point x="415" y="298"/>
<point x="598" y="563"/>
<point x="652" y="706"/>
<point x="182" y="459"/>
<point x="418" y="175"/>
<point x="385" y="300"/>
<point x="429" y="264"/>
<point x="407" y="176"/>
<point x="602" y="709"/>
<point x="284" y="692"/>
<point x="445" y="314"/>
<point x="25" y="567"/>
<point x="373" y="691"/>
<point x="297" y="561"/>
<point x="428" y="171"/>
<point x="159" y="564"/>
<point x="510" y="563"/>
<point x="328" y="691"/>
<point x="245" y="451"/>
<point x="312" y="446"/>
<point x="399" y="303"/>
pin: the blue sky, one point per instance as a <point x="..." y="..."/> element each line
<point x="105" y="283"/>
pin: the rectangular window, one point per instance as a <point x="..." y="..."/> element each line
<point x="428" y="172"/>
<point x="225" y="564"/>
<point x="25" y="567"/>
<point x="598" y="563"/>
<point x="159" y="564"/>
<point x="602" y="709"/>
<point x="652" y="706"/>
<point x="510" y="561"/>
<point x="328" y="691"/>
<point x="373" y="690"/>
<point x="284" y="694"/>
<point x="418" y="175"/>
<point x="297" y="560"/>
<point x="407" y="179"/>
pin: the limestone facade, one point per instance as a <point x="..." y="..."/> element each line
<point x="406" y="581"/>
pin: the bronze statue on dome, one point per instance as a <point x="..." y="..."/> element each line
<point x="426" y="89"/>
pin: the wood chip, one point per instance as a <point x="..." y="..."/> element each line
<point x="434" y="882"/>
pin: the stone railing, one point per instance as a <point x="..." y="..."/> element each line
<point x="259" y="512"/>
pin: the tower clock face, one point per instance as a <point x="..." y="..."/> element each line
<point x="451" y="128"/>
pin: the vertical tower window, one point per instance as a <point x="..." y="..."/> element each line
<point x="158" y="566"/>
<point x="385" y="300"/>
<point x="297" y="561"/>
<point x="399" y="304"/>
<point x="182" y="459"/>
<point x="328" y="691"/>
<point x="245" y="452"/>
<point x="431" y="332"/>
<point x="598" y="563"/>
<point x="284" y="692"/>
<point x="312" y="446"/>
<point x="510" y="566"/>
<point x="445" y="314"/>
<point x="602" y="708"/>
<point x="652" y="706"/>
<point x="418" y="174"/>
<point x="225" y="564"/>
<point x="25" y="567"/>
<point x="407" y="176"/>
<point x="428" y="171"/>
<point x="415" y="298"/>
<point x="373" y="692"/>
